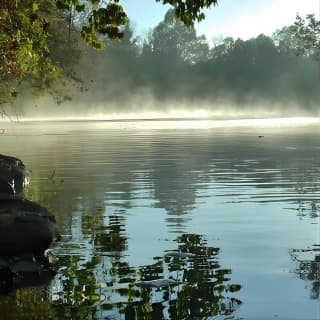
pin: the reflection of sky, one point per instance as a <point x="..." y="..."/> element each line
<point x="242" y="19"/>
<point x="255" y="241"/>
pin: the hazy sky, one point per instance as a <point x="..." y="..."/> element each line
<point x="236" y="18"/>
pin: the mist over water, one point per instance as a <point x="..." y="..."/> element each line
<point x="178" y="75"/>
<point x="46" y="109"/>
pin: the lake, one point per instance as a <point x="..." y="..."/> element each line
<point x="173" y="219"/>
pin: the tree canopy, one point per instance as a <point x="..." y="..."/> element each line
<point x="32" y="31"/>
<point x="41" y="39"/>
<point x="107" y="17"/>
<point x="180" y="68"/>
<point x="302" y="38"/>
<point x="172" y="40"/>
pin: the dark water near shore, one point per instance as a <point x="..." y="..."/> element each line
<point x="230" y="218"/>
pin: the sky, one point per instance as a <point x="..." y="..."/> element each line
<point x="237" y="18"/>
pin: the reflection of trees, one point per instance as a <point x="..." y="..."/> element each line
<point x="113" y="240"/>
<point x="173" y="169"/>
<point x="94" y="266"/>
<point x="25" y="304"/>
<point x="308" y="269"/>
<point x="96" y="281"/>
<point x="170" y="182"/>
<point x="205" y="281"/>
<point x="308" y="208"/>
<point x="168" y="171"/>
<point x="200" y="290"/>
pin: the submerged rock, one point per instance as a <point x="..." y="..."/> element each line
<point x="26" y="266"/>
<point x="6" y="276"/>
<point x="5" y="271"/>
<point x="26" y="228"/>
<point x="13" y="177"/>
<point x="21" y="273"/>
<point x="157" y="283"/>
<point x="32" y="279"/>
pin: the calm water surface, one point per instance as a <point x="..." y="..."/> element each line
<point x="231" y="219"/>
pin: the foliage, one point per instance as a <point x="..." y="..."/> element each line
<point x="23" y="36"/>
<point x="24" y="49"/>
<point x="39" y="37"/>
<point x="174" y="41"/>
<point x="108" y="17"/>
<point x="301" y="38"/>
<point x="101" y="20"/>
<point x="173" y="65"/>
<point x="307" y="34"/>
<point x="189" y="11"/>
<point x="35" y="47"/>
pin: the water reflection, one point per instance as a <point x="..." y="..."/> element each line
<point x="122" y="197"/>
<point x="198" y="288"/>
<point x="309" y="209"/>
<point x="172" y="170"/>
<point x="308" y="267"/>
<point x="26" y="303"/>
<point x="185" y="283"/>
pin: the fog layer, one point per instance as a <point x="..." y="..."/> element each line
<point x="173" y="72"/>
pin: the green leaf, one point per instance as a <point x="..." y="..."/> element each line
<point x="80" y="8"/>
<point x="35" y="7"/>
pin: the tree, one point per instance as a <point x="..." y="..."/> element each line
<point x="175" y="41"/>
<point x="307" y="35"/>
<point x="24" y="51"/>
<point x="223" y="49"/>
<point x="301" y="38"/>
<point x="107" y="17"/>
<point x="30" y="37"/>
<point x="31" y="34"/>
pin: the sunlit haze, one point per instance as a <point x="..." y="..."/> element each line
<point x="158" y="121"/>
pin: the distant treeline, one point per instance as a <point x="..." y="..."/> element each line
<point x="173" y="65"/>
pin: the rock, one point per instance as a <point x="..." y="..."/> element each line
<point x="26" y="231"/>
<point x="21" y="273"/>
<point x="5" y="271"/>
<point x="157" y="283"/>
<point x="13" y="177"/>
<point x="26" y="228"/>
<point x="32" y="279"/>
<point x="6" y="276"/>
<point x="26" y="266"/>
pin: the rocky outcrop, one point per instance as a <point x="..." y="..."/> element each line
<point x="13" y="177"/>
<point x="22" y="273"/>
<point x="26" y="230"/>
